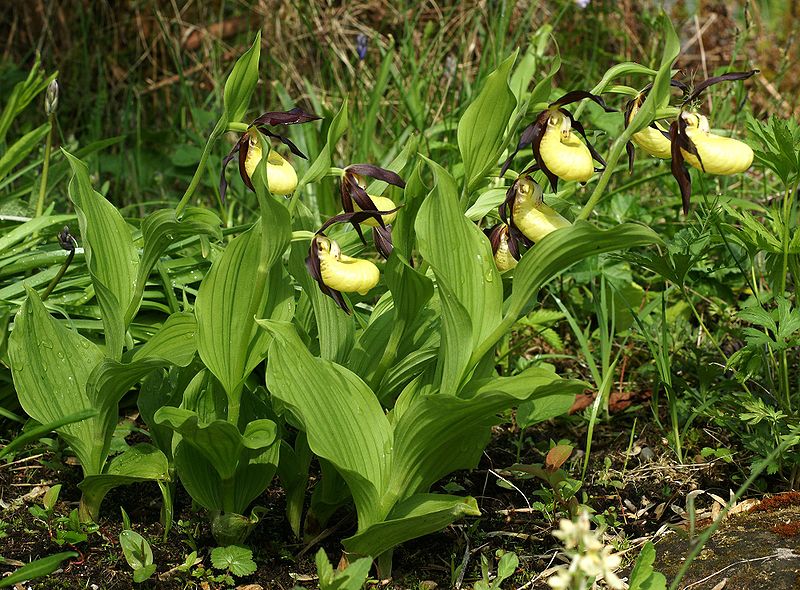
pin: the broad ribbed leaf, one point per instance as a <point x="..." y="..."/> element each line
<point x="293" y="473"/>
<point x="393" y="320"/>
<point x="174" y="342"/>
<point x="111" y="257"/>
<point x="324" y="160"/>
<point x="482" y="128"/>
<point x="108" y="382"/>
<point x="456" y="342"/>
<point x="564" y="247"/>
<point x="341" y="416"/>
<point x="159" y="230"/>
<point x="403" y="235"/>
<point x="486" y="201"/>
<point x="220" y="442"/>
<point x="420" y="515"/>
<point x="659" y="95"/>
<point x="143" y="462"/>
<point x="242" y="82"/>
<point x="229" y="299"/>
<point x="461" y="259"/>
<point x="253" y="474"/>
<point x="438" y="434"/>
<point x="51" y="366"/>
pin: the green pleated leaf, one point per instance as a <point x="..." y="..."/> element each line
<point x="239" y="288"/>
<point x="456" y="342"/>
<point x="293" y="473"/>
<point x="438" y="434"/>
<point x="51" y="365"/>
<point x="242" y="82"/>
<point x="341" y="416"/>
<point x="324" y="160"/>
<point x="175" y="341"/>
<point x="410" y="289"/>
<point x="106" y="385"/>
<point x="219" y="441"/>
<point x="564" y="247"/>
<point x="541" y="92"/>
<point x="417" y="516"/>
<point x="403" y="236"/>
<point x="482" y="128"/>
<point x="487" y="201"/>
<point x="110" y="254"/>
<point x="36" y="569"/>
<point x="461" y="259"/>
<point x="162" y="228"/>
<point x="253" y="473"/>
<point x="142" y="462"/>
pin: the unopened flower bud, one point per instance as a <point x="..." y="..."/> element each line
<point x="51" y="98"/>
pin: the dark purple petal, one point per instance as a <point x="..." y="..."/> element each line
<point x="730" y="76"/>
<point x="679" y="170"/>
<point x="378" y="173"/>
<point x="285" y="141"/>
<point x="242" y="165"/>
<point x="577" y="95"/>
<point x="293" y="117"/>
<point x="382" y="236"/>
<point x="631" y="155"/>
<point x="223" y="183"/>
<point x="525" y="139"/>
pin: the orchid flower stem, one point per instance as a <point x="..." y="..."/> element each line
<point x="599" y="189"/>
<point x="788" y="203"/>
<point x="48" y="147"/>
<point x="59" y="275"/>
<point x="219" y="129"/>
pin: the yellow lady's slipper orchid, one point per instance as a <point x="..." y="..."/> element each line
<point x="337" y="273"/>
<point x="344" y="273"/>
<point x="281" y="177"/>
<point x="691" y="140"/>
<point x="564" y="154"/>
<point x="653" y="140"/>
<point x="504" y="248"/>
<point x="531" y="215"/>
<point x="559" y="152"/>
<point x="715" y="154"/>
<point x="377" y="212"/>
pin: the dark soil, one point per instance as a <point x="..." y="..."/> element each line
<point x="631" y="486"/>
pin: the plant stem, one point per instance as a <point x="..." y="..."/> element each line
<point x="48" y="147"/>
<point x="57" y="278"/>
<point x="219" y="129"/>
<point x="599" y="189"/>
<point x="783" y="367"/>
